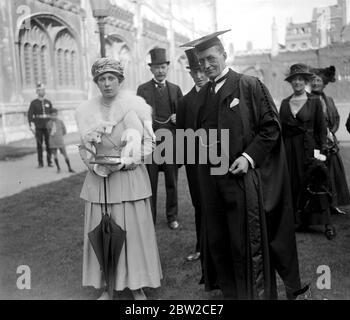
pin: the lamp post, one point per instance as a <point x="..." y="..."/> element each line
<point x="100" y="10"/>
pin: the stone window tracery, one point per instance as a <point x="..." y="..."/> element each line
<point x="34" y="60"/>
<point x="48" y="54"/>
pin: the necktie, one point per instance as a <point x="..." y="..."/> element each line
<point x="214" y="83"/>
<point x="160" y="87"/>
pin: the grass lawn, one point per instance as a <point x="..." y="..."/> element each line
<point x="43" y="228"/>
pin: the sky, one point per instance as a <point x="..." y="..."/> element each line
<point x="251" y="20"/>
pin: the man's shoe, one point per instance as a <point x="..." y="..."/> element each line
<point x="50" y="165"/>
<point x="193" y="256"/>
<point x="174" y="225"/>
<point x="302" y="294"/>
<point x="40" y="166"/>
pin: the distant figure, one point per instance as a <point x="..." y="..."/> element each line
<point x="39" y="114"/>
<point x="304" y="133"/>
<point x="57" y="130"/>
<point x="340" y="190"/>
<point x="163" y="96"/>
<point x="185" y="119"/>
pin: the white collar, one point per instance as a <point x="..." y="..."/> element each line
<point x="197" y="88"/>
<point x="156" y="81"/>
<point x="223" y="73"/>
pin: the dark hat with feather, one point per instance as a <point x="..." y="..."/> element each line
<point x="327" y="74"/>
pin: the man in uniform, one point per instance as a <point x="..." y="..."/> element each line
<point x="163" y="96"/>
<point x="247" y="222"/>
<point x="38" y="116"/>
<point x="185" y="119"/>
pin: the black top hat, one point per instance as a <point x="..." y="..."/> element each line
<point x="327" y="74"/>
<point x="298" y="69"/>
<point x="158" y="56"/>
<point x="193" y="62"/>
<point x="205" y="42"/>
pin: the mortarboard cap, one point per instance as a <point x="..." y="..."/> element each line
<point x="205" y="42"/>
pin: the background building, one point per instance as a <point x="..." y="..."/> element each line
<point x="56" y="42"/>
<point x="322" y="42"/>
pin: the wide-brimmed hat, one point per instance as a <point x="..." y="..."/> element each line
<point x="193" y="62"/>
<point x="158" y="56"/>
<point x="104" y="65"/>
<point x="327" y="74"/>
<point x="298" y="69"/>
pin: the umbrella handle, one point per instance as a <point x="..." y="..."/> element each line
<point x="105" y="192"/>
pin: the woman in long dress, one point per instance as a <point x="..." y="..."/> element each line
<point x="119" y="123"/>
<point x="340" y="190"/>
<point x="304" y="130"/>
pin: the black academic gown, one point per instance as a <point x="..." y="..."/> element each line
<point x="255" y="224"/>
<point x="185" y="119"/>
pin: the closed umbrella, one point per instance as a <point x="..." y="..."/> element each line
<point x="107" y="240"/>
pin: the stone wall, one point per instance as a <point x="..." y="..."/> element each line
<point x="273" y="69"/>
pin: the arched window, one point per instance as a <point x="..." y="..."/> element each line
<point x="34" y="58"/>
<point x="36" y="63"/>
<point x="67" y="66"/>
<point x="27" y="64"/>
<point x="48" y="39"/>
<point x="43" y="58"/>
<point x="67" y="69"/>
<point x="60" y="71"/>
<point x="73" y="65"/>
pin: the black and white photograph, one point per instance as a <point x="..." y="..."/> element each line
<point x="186" y="151"/>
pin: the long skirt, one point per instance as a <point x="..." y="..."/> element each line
<point x="340" y="190"/>
<point x="139" y="264"/>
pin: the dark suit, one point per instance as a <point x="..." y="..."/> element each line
<point x="185" y="119"/>
<point x="247" y="221"/>
<point x="39" y="113"/>
<point x="148" y="91"/>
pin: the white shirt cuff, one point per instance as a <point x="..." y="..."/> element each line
<point x="251" y="161"/>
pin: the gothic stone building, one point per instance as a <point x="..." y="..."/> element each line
<point x="56" y="41"/>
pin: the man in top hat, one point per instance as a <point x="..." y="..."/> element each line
<point x="247" y="222"/>
<point x="163" y="96"/>
<point x="38" y="117"/>
<point x="185" y="119"/>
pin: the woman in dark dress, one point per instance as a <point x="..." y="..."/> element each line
<point x="340" y="190"/>
<point x="304" y="130"/>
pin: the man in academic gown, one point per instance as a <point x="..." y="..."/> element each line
<point x="247" y="221"/>
<point x="185" y="119"/>
<point x="163" y="96"/>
